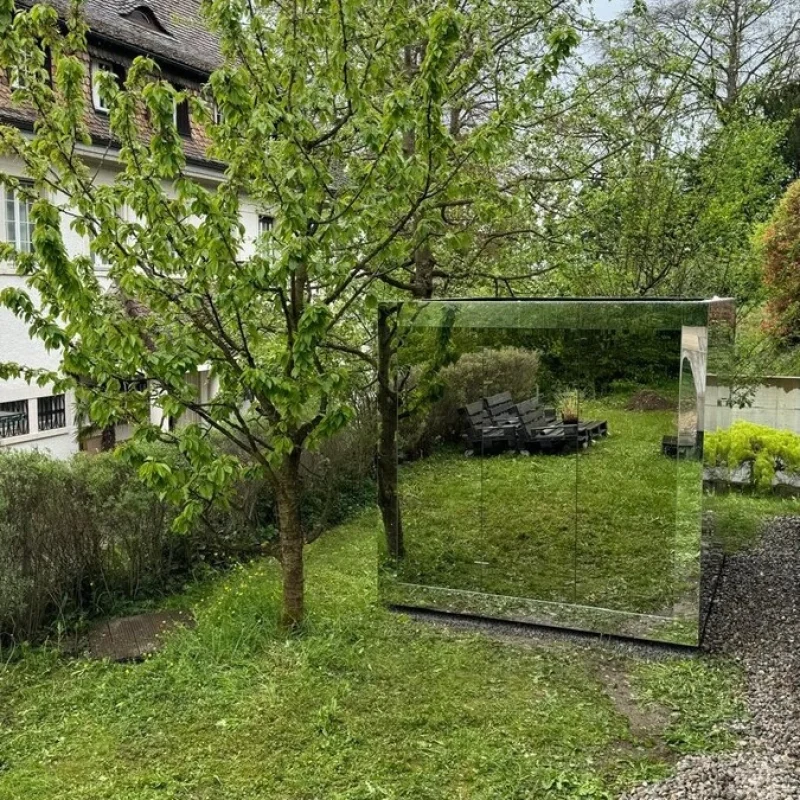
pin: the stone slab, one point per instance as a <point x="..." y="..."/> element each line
<point x="133" y="638"/>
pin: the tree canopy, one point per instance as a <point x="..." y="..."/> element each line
<point x="369" y="131"/>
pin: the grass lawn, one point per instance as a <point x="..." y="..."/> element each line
<point x="364" y="704"/>
<point x="515" y="525"/>
<point x="740" y="517"/>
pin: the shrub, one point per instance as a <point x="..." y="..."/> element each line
<point x="74" y="537"/>
<point x="80" y="537"/>
<point x="337" y="480"/>
<point x="474" y="375"/>
<point x="766" y="448"/>
<point x="780" y="257"/>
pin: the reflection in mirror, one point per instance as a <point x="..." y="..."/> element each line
<point x="691" y="409"/>
<point x="528" y="502"/>
<point x="548" y="464"/>
<point x="440" y="453"/>
<point x="721" y="510"/>
<point x="627" y="489"/>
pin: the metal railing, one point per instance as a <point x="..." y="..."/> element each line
<point x="52" y="412"/>
<point x="14" y="419"/>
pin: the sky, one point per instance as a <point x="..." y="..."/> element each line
<point x="608" y="9"/>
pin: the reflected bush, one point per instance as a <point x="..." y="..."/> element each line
<point x="474" y="375"/>
<point x="766" y="449"/>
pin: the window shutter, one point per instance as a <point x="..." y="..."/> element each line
<point x="121" y="74"/>
<point x="182" y="119"/>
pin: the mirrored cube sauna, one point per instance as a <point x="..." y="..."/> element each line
<point x="541" y="461"/>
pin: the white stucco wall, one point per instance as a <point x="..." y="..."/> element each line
<point x="775" y="402"/>
<point x="16" y="345"/>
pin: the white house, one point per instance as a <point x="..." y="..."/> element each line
<point x="170" y="32"/>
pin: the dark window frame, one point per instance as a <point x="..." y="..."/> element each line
<point x="183" y="121"/>
<point x="51" y="412"/>
<point x="266" y="223"/>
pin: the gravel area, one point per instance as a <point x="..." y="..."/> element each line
<point x="756" y="621"/>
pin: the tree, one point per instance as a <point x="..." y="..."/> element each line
<point x="360" y="125"/>
<point x="731" y="51"/>
<point x="780" y="258"/>
<point x="679" y="222"/>
<point x="663" y="196"/>
<point x="783" y="104"/>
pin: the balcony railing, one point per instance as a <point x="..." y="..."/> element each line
<point x="14" y="419"/>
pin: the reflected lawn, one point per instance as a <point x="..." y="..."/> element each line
<point x="515" y="525"/>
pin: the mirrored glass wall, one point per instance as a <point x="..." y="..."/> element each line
<point x="548" y="462"/>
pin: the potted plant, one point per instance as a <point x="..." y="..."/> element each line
<point x="568" y="404"/>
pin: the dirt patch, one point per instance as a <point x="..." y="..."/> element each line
<point x="133" y="638"/>
<point x="648" y="400"/>
<point x="646" y="723"/>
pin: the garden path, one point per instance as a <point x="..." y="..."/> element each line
<point x="757" y="622"/>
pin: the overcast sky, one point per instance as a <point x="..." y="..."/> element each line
<point x="608" y="9"/>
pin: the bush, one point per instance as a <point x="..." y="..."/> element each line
<point x="74" y="537"/>
<point x="81" y="537"/>
<point x="766" y="448"/>
<point x="474" y="375"/>
<point x="338" y="480"/>
<point x="780" y="258"/>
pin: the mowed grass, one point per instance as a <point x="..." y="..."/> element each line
<point x="615" y="526"/>
<point x="740" y="518"/>
<point x="362" y="704"/>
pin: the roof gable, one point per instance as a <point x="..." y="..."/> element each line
<point x="164" y="29"/>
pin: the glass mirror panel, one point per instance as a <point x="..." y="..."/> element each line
<point x="440" y="456"/>
<point x="548" y="461"/>
<point x="721" y="518"/>
<point x="627" y="483"/>
<point x="691" y="407"/>
<point x="529" y="482"/>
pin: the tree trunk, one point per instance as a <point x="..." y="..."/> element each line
<point x="291" y="541"/>
<point x="387" y="438"/>
<point x="733" y="65"/>
<point x="424" y="265"/>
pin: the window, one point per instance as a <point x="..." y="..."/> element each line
<point x="16" y="75"/>
<point x="52" y="412"/>
<point x="14" y="419"/>
<point x="98" y="262"/>
<point x="135" y="385"/>
<point x="19" y="228"/>
<point x="16" y="80"/>
<point x="265" y="224"/>
<point x="144" y="16"/>
<point x="216" y="113"/>
<point x="182" y="122"/>
<point x="48" y="66"/>
<point x="99" y="100"/>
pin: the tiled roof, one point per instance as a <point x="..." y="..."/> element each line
<point x="187" y="40"/>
